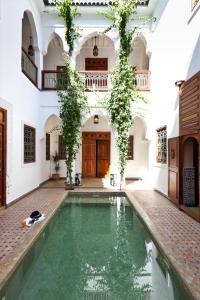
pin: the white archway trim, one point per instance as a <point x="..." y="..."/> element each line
<point x="52" y="35"/>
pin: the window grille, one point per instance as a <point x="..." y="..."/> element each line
<point x="29" y="144"/>
<point x="61" y="148"/>
<point x="162" y="145"/>
<point x="47" y="146"/>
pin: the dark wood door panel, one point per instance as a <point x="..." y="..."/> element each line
<point x="96" y="64"/>
<point x="103" y="158"/>
<point x="173" y="186"/>
<point x="173" y="169"/>
<point x="89" y="158"/>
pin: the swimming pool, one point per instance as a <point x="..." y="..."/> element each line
<point x="94" y="248"/>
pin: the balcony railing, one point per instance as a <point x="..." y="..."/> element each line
<point x="142" y="80"/>
<point x="29" y="68"/>
<point x="94" y="80"/>
<point x="51" y="80"/>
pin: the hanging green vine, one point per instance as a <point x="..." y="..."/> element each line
<point x="68" y="14"/>
<point x="71" y="93"/>
<point x="123" y="93"/>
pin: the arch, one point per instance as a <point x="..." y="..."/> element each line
<point x="52" y="120"/>
<point x="52" y="36"/>
<point x="106" y="50"/>
<point x="91" y="35"/>
<point x="27" y="21"/>
<point x="54" y="54"/>
<point x="143" y="123"/>
<point x="138" y="57"/>
<point x="146" y="39"/>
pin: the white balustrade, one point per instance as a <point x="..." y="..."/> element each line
<point x="94" y="80"/>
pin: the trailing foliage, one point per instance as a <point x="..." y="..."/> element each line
<point x="68" y="14"/>
<point x="121" y="14"/>
<point x="72" y="99"/>
<point x="73" y="104"/>
<point x="123" y="93"/>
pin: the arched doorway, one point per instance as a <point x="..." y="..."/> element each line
<point x="96" y="148"/>
<point x="190" y="175"/>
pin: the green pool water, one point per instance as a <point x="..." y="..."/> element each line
<point x="94" y="248"/>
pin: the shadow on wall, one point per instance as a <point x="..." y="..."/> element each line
<point x="159" y="10"/>
<point x="194" y="65"/>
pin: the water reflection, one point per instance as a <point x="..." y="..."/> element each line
<point x="95" y="250"/>
<point x="122" y="276"/>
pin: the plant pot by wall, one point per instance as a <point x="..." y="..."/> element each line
<point x="55" y="176"/>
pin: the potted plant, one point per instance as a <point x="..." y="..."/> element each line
<point x="55" y="158"/>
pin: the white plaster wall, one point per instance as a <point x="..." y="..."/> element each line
<point x="21" y="98"/>
<point x="54" y="56"/>
<point x="106" y="50"/>
<point x="175" y="55"/>
<point x="138" y="56"/>
<point x="138" y="167"/>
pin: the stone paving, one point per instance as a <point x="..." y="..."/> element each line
<point x="177" y="235"/>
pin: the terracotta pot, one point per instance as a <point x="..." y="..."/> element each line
<point x="55" y="176"/>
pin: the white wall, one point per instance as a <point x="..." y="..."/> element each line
<point x="19" y="96"/>
<point x="138" y="56"/>
<point x="54" y="56"/>
<point x="175" y="56"/>
<point x="106" y="50"/>
<point x="138" y="167"/>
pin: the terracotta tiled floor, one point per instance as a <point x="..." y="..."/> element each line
<point x="177" y="235"/>
<point x="14" y="239"/>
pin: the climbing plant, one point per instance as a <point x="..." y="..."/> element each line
<point x="123" y="93"/>
<point x="68" y="14"/>
<point x="71" y="93"/>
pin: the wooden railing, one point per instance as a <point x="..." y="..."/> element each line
<point x="51" y="80"/>
<point x="29" y="68"/>
<point x="94" y="80"/>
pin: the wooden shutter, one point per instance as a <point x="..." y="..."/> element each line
<point x="47" y="146"/>
<point x="190" y="106"/>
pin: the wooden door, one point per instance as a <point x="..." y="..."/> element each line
<point x="89" y="158"/>
<point x="2" y="157"/>
<point x="173" y="170"/>
<point x="103" y="158"/>
<point x="96" y="64"/>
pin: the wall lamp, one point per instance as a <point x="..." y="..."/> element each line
<point x="178" y="83"/>
<point x="96" y="119"/>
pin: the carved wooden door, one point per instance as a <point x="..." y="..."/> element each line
<point x="173" y="169"/>
<point x="103" y="158"/>
<point x="89" y="158"/>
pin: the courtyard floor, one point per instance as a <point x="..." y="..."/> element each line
<point x="177" y="235"/>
